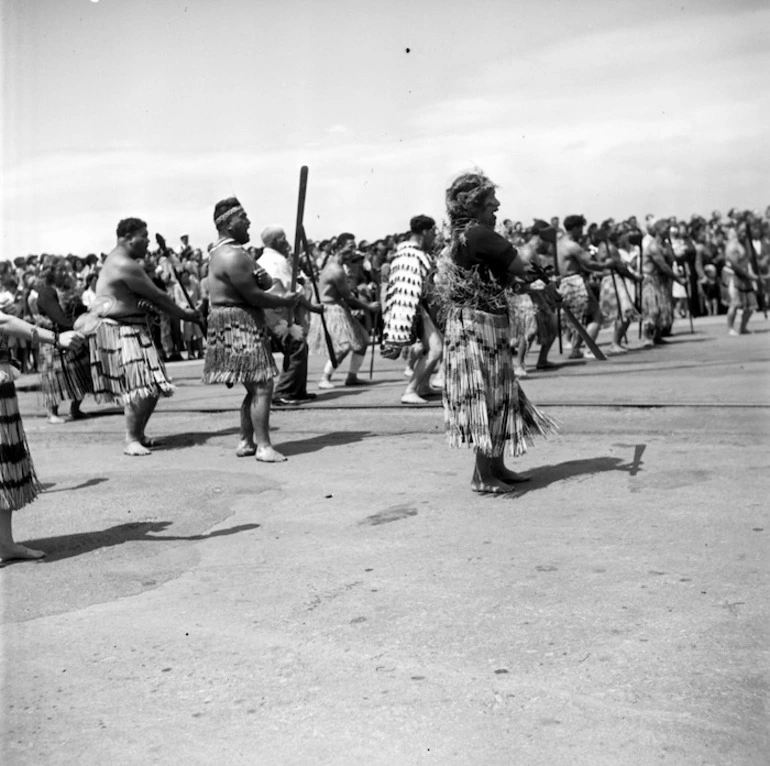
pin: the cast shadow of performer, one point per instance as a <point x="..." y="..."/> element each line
<point x="315" y="443"/>
<point x="67" y="546"/>
<point x="544" y="475"/>
<point x="89" y="483"/>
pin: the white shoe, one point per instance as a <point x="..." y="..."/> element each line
<point x="325" y="384"/>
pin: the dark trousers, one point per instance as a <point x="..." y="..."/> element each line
<point x="292" y="382"/>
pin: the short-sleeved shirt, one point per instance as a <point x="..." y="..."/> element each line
<point x="487" y="252"/>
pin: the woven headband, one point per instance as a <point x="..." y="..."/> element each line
<point x="227" y="214"/>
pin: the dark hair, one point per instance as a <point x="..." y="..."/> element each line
<point x="421" y="223"/>
<point x="224" y="205"/>
<point x="574" y="221"/>
<point x="129" y="226"/>
<point x="466" y="196"/>
<point x="346" y="236"/>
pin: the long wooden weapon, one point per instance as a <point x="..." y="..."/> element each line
<point x="558" y="308"/>
<point x="374" y="341"/>
<point x="166" y="254"/>
<point x="761" y="305"/>
<point x="303" y="171"/>
<point x="579" y="329"/>
<point x="314" y="281"/>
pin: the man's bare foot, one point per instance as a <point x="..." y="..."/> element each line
<point x="55" y="420"/>
<point x="268" y="454"/>
<point x="576" y="353"/>
<point x="511" y="477"/>
<point x="245" y="449"/>
<point x="135" y="449"/>
<point x="413" y="398"/>
<point x="491" y="486"/>
<point x="18" y="551"/>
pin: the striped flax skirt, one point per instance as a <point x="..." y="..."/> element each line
<point x="125" y="364"/>
<point x="64" y="375"/>
<point x="346" y="332"/>
<point x="18" y="483"/>
<point x="238" y="349"/>
<point x="484" y="406"/>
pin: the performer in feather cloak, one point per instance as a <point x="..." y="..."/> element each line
<point x="484" y="406"/>
<point x="406" y="315"/>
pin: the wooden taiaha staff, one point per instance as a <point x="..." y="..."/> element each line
<point x="166" y="254"/>
<point x="314" y="281"/>
<point x="761" y="305"/>
<point x="303" y="172"/>
<point x="579" y="329"/>
<point x="558" y="308"/>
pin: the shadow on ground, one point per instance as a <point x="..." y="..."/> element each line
<point x="84" y="485"/>
<point x="315" y="443"/>
<point x="66" y="546"/>
<point x="545" y="475"/>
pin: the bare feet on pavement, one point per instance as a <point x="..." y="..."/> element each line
<point x="245" y="449"/>
<point x="135" y="449"/>
<point x="18" y="551"/>
<point x="268" y="454"/>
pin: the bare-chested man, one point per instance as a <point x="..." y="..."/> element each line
<point x="125" y="365"/>
<point x="346" y="332"/>
<point x="532" y="314"/>
<point x="238" y="347"/>
<point x="575" y="265"/>
<point x="738" y="279"/>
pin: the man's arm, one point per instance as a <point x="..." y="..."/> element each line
<point x="340" y="281"/>
<point x="585" y="262"/>
<point x="732" y="254"/>
<point x="48" y="305"/>
<point x="135" y="279"/>
<point x="240" y="272"/>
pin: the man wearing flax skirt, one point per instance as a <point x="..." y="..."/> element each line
<point x="125" y="365"/>
<point x="238" y="346"/>
<point x="484" y="406"/>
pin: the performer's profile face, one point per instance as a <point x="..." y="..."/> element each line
<point x="488" y="209"/>
<point x="239" y="227"/>
<point x="139" y="243"/>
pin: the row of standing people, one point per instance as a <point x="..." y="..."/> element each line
<point x="466" y="301"/>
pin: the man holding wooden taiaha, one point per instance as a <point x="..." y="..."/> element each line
<point x="238" y="347"/>
<point x="575" y="265"/>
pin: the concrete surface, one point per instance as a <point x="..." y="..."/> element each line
<point x="359" y="605"/>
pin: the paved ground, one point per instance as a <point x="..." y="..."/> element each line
<point x="358" y="605"/>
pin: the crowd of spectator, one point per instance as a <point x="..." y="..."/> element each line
<point x="697" y="247"/>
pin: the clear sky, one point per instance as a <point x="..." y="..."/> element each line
<point x="158" y="108"/>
